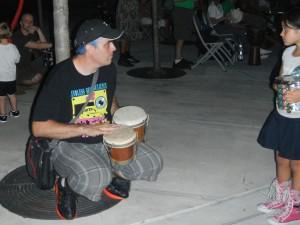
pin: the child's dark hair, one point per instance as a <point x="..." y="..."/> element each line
<point x="292" y="18"/>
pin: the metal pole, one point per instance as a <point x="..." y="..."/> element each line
<point x="61" y="29"/>
<point x="156" y="63"/>
<point x="40" y="12"/>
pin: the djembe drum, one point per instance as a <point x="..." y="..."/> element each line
<point x="121" y="145"/>
<point x="135" y="117"/>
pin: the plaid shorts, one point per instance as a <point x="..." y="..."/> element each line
<point x="89" y="170"/>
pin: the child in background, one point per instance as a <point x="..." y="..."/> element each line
<point x="281" y="133"/>
<point x="9" y="56"/>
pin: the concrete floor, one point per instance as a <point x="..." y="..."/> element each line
<point x="204" y="124"/>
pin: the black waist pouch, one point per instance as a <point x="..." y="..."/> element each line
<point x="38" y="162"/>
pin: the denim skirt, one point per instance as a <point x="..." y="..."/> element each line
<point x="281" y="134"/>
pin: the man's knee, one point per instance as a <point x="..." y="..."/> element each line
<point x="147" y="166"/>
<point x="90" y="183"/>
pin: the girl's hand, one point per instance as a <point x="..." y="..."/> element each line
<point x="276" y="83"/>
<point x="293" y="96"/>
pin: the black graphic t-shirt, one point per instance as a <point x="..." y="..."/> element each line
<point x="65" y="91"/>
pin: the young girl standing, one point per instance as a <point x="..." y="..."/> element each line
<point x="9" y="56"/>
<point x="281" y="132"/>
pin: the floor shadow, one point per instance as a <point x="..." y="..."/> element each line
<point x="21" y="196"/>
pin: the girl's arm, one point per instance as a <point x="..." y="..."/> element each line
<point x="274" y="85"/>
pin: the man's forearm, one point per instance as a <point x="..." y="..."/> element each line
<point x="41" y="35"/>
<point x="38" y="45"/>
<point x="54" y="130"/>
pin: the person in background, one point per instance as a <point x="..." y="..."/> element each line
<point x="128" y="20"/>
<point x="183" y="30"/>
<point x="9" y="58"/>
<point x="227" y="20"/>
<point x="30" y="42"/>
<point x="215" y="13"/>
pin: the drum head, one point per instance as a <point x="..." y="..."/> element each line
<point x="122" y="137"/>
<point x="130" y="116"/>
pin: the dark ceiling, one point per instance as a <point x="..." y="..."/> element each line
<point x="86" y="7"/>
<point x="78" y="10"/>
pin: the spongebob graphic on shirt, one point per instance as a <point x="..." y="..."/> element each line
<point x="96" y="109"/>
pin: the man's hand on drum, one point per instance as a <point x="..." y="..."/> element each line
<point x="293" y="96"/>
<point x="93" y="130"/>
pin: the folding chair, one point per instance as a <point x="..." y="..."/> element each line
<point x="227" y="37"/>
<point x="215" y="49"/>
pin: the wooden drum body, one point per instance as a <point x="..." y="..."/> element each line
<point x="135" y="117"/>
<point x="121" y="145"/>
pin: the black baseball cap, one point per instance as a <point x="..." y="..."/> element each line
<point x="92" y="29"/>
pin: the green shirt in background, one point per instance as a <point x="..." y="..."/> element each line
<point x="187" y="4"/>
<point x="227" y="6"/>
